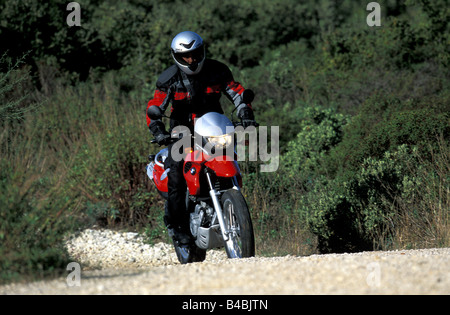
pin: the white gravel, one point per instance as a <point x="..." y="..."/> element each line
<point x="107" y="249"/>
<point x="121" y="263"/>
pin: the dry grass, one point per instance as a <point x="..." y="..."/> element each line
<point x="423" y="221"/>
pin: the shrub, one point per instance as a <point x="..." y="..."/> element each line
<point x="380" y="202"/>
<point x="109" y="170"/>
<point x="321" y="130"/>
<point x="34" y="219"/>
<point x="382" y="124"/>
<point x="351" y="179"/>
<point x="332" y="217"/>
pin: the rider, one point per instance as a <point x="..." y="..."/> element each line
<point x="193" y="85"/>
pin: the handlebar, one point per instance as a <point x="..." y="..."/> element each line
<point x="173" y="140"/>
<point x="169" y="141"/>
<point x="236" y="124"/>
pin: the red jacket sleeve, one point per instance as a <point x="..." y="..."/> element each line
<point x="234" y="90"/>
<point x="157" y="100"/>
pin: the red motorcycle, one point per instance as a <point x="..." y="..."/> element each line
<point x="219" y="215"/>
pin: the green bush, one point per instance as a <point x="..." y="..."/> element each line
<point x="110" y="172"/>
<point x="331" y="216"/>
<point x="34" y="219"/>
<point x="368" y="210"/>
<point x="342" y="212"/>
<point x="382" y="124"/>
<point x="321" y="130"/>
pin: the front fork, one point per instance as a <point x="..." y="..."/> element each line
<point x="214" y="197"/>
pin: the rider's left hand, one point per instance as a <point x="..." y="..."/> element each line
<point x="249" y="122"/>
<point x="247" y="117"/>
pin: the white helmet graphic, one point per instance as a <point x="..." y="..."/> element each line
<point x="188" y="44"/>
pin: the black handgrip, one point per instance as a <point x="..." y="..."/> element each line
<point x="171" y="140"/>
<point x="236" y="124"/>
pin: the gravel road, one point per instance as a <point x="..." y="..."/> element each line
<point x="121" y="263"/>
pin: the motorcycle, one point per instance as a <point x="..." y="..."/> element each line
<point x="219" y="215"/>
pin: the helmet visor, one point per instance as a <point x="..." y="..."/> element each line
<point x="190" y="58"/>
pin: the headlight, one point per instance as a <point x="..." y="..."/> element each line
<point x="221" y="141"/>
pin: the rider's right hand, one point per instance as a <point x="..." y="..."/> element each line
<point x="162" y="138"/>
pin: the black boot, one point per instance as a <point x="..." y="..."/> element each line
<point x="181" y="235"/>
<point x="179" y="232"/>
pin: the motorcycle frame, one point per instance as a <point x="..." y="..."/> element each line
<point x="197" y="162"/>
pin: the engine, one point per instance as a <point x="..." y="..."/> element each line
<point x="202" y="214"/>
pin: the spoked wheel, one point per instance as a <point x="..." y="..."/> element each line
<point x="241" y="241"/>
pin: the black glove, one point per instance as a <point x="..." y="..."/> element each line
<point x="247" y="117"/>
<point x="249" y="122"/>
<point x="162" y="138"/>
<point x="158" y="130"/>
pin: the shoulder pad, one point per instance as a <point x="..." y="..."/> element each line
<point x="166" y="77"/>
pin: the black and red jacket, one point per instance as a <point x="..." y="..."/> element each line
<point x="193" y="96"/>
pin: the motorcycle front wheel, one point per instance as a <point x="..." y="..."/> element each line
<point x="241" y="240"/>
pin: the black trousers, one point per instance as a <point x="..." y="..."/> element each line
<point x="176" y="213"/>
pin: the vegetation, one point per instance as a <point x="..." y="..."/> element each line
<point x="363" y="115"/>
